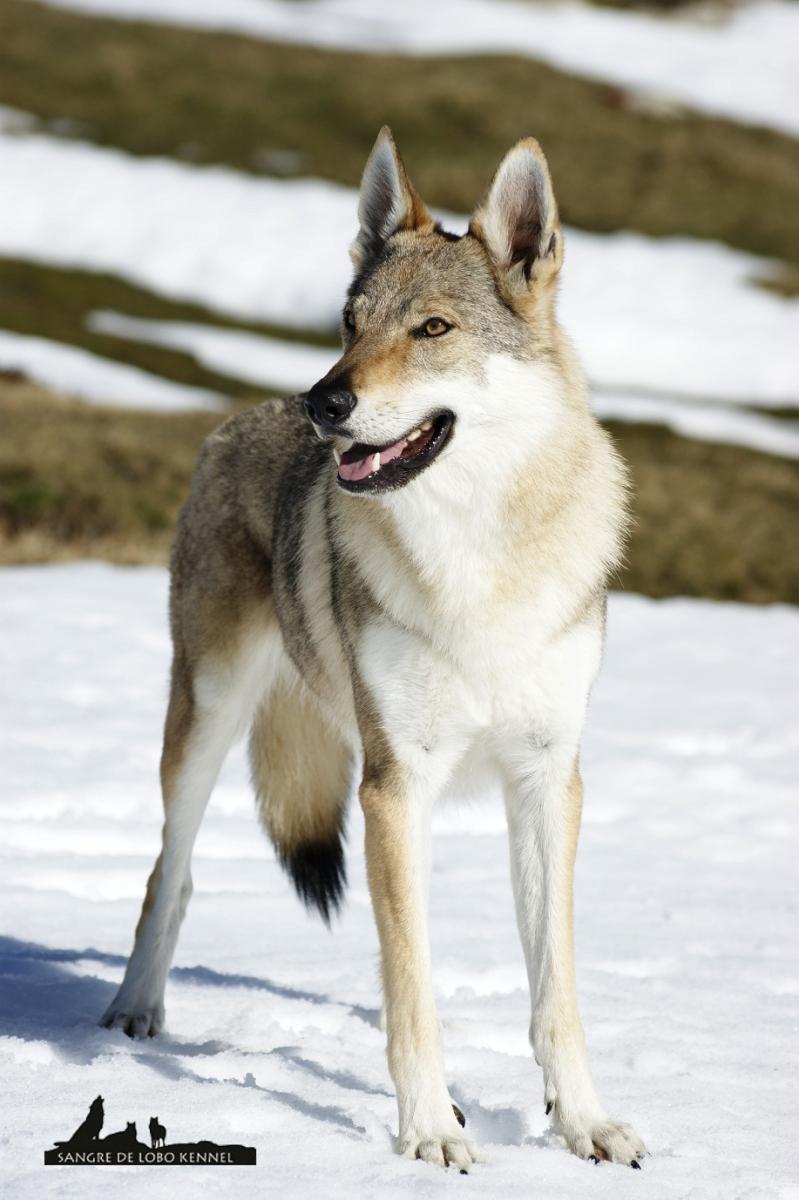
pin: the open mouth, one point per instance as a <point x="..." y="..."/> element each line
<point x="364" y="468"/>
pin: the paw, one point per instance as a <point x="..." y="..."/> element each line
<point x="135" y="1019"/>
<point x="600" y="1139"/>
<point x="443" y="1149"/>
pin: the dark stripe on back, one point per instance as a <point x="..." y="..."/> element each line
<point x="291" y="512"/>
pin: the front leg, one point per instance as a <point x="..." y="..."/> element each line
<point x="544" y="805"/>
<point x="397" y="807"/>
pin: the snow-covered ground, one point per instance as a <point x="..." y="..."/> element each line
<point x="720" y="423"/>
<point x="251" y="357"/>
<point x="673" y="316"/>
<point x="686" y="928"/>
<point x="71" y="371"/>
<point x="739" y="64"/>
<point x="16" y="120"/>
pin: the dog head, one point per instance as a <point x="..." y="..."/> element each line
<point x="442" y="333"/>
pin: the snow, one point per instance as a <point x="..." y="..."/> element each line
<point x="16" y="120"/>
<point x="293" y="367"/>
<point x="674" y="315"/>
<point x="739" y="64"/>
<point x="250" y="357"/>
<point x="688" y="961"/>
<point x="75" y="372"/>
<point x="704" y="422"/>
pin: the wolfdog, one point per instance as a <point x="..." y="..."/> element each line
<point x="391" y="579"/>
<point x="157" y="1133"/>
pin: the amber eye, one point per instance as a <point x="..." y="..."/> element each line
<point x="435" y="327"/>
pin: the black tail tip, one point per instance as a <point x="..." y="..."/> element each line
<point x="319" y="874"/>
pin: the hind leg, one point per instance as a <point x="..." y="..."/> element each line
<point x="207" y="709"/>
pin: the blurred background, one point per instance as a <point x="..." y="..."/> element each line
<point x="177" y="198"/>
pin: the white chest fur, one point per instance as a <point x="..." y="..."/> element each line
<point x="505" y="679"/>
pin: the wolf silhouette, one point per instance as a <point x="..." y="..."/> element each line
<point x="123" y="1139"/>
<point x="157" y="1133"/>
<point x="89" y="1129"/>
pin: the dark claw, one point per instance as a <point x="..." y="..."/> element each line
<point x="593" y="1158"/>
<point x="636" y="1166"/>
<point x="459" y="1117"/>
<point x="464" y="1172"/>
<point x="550" y="1106"/>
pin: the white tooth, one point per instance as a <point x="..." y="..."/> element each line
<point x="427" y="425"/>
<point x="337" y="454"/>
<point x="376" y="463"/>
<point x="349" y="445"/>
<point x="413" y="436"/>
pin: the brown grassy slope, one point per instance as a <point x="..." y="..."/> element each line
<point x="55" y="303"/>
<point x="217" y="98"/>
<point x="78" y="481"/>
<point x="710" y="520"/>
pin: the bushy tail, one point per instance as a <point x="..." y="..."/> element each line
<point x="302" y="773"/>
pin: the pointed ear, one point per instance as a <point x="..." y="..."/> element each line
<point x="389" y="201"/>
<point x="518" y="223"/>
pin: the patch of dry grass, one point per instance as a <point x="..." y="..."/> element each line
<point x="82" y="481"/>
<point x="710" y="520"/>
<point x="55" y="303"/>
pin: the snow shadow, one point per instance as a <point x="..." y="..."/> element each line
<point x="41" y="999"/>
<point x="503" y="1126"/>
<point x="208" y="977"/>
<point x="330" y="1114"/>
<point x="343" y="1079"/>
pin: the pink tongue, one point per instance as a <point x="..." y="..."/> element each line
<point x="361" y="467"/>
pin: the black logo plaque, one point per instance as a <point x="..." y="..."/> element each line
<point x="86" y="1147"/>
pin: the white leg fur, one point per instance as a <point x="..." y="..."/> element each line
<point x="225" y="700"/>
<point x="543" y="808"/>
<point x="139" y="1005"/>
<point x="398" y="861"/>
<point x="397" y="795"/>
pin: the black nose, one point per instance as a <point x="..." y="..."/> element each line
<point x="328" y="405"/>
